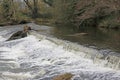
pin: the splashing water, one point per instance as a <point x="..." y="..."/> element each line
<point x="38" y="57"/>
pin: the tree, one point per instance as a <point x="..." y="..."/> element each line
<point x="63" y="10"/>
<point x="6" y="9"/>
<point x="32" y="7"/>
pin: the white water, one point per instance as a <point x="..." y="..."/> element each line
<point x="38" y="57"/>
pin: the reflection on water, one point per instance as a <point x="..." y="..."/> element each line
<point x="102" y="38"/>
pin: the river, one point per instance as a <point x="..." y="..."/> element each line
<point x="44" y="54"/>
<point x="100" y="38"/>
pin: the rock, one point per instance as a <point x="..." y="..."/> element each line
<point x="26" y="28"/>
<point x="20" y="34"/>
<point x="66" y="76"/>
<point x="23" y="22"/>
<point x="17" y="35"/>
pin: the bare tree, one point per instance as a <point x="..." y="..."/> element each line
<point x="33" y="8"/>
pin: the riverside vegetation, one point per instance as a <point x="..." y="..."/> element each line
<point x="81" y="13"/>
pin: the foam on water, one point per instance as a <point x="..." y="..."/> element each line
<point x="41" y="58"/>
<point x="2" y="39"/>
<point x="15" y="76"/>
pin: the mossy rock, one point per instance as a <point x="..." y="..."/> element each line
<point x="18" y="35"/>
<point x="66" y="76"/>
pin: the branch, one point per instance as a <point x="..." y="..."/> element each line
<point x="50" y="3"/>
<point x="27" y="3"/>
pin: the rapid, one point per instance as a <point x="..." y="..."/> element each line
<point x="42" y="57"/>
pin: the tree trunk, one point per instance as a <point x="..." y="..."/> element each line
<point x="34" y="8"/>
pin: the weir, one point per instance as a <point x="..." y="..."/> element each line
<point x="101" y="57"/>
<point x="38" y="57"/>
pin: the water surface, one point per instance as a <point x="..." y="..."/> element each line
<point x="41" y="56"/>
<point x="97" y="37"/>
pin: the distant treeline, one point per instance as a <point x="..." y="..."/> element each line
<point x="82" y="13"/>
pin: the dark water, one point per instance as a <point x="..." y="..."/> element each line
<point x="95" y="37"/>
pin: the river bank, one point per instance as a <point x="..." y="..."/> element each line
<point x="8" y="23"/>
<point x="39" y="21"/>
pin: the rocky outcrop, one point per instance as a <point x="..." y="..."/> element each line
<point x="20" y="34"/>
